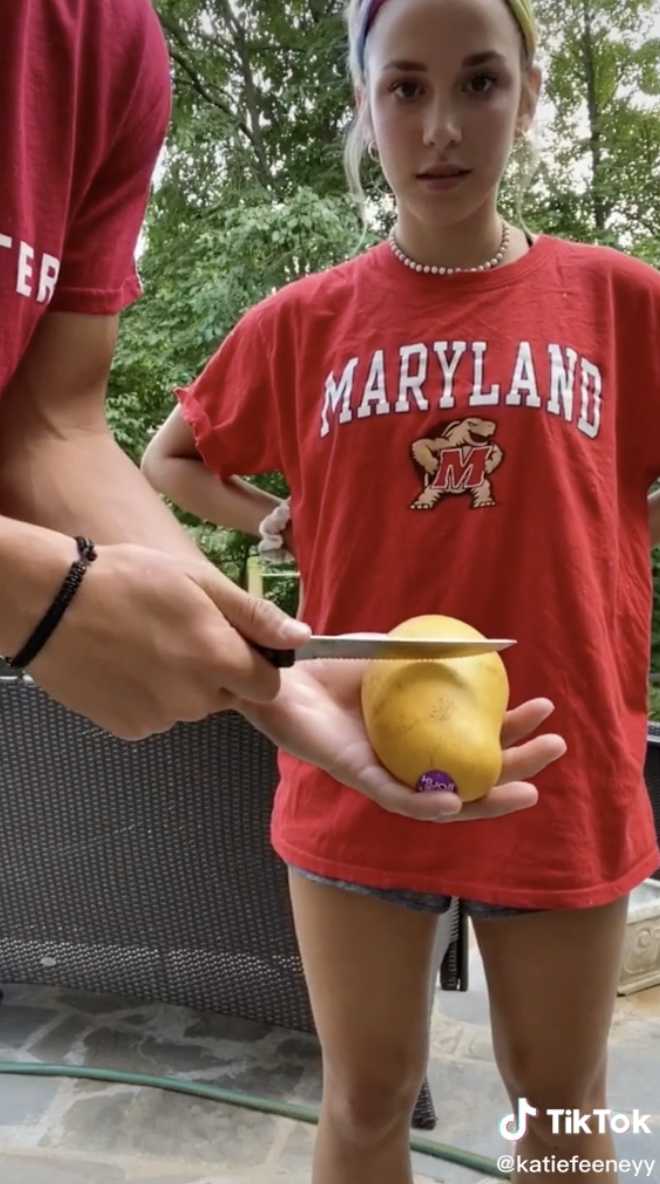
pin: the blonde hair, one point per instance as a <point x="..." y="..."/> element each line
<point x="358" y="13"/>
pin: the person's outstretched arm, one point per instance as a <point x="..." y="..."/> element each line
<point x="155" y="634"/>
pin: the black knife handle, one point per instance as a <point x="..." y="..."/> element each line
<point x="279" y="658"/>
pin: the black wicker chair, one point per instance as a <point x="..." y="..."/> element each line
<point x="146" y="869"/>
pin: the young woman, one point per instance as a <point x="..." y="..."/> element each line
<point x="467" y="419"/>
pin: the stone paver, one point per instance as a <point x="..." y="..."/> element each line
<point x="77" y="1132"/>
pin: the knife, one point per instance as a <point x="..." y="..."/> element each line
<point x="382" y="645"/>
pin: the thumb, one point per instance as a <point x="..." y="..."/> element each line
<point x="253" y="617"/>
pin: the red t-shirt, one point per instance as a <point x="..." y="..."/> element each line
<point x="84" y="103"/>
<point x="537" y="388"/>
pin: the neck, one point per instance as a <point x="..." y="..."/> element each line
<point x="461" y="244"/>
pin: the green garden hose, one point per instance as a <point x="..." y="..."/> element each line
<point x="299" y="1113"/>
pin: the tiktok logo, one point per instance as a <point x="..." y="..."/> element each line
<point x="572" y="1122"/>
<point x="514" y="1126"/>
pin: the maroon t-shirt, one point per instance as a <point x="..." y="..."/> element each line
<point x="84" y="104"/>
<point x="480" y="446"/>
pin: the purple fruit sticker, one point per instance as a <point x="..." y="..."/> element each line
<point x="435" y="780"/>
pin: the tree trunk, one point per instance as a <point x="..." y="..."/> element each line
<point x="595" y="142"/>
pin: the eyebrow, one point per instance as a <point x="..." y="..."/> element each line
<point x="474" y="59"/>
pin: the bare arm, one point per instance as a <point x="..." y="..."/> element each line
<point x="155" y="634"/>
<point x="59" y="464"/>
<point x="174" y="467"/>
<point x="32" y="565"/>
<point x="61" y="470"/>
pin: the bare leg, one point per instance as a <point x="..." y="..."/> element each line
<point x="552" y="980"/>
<point x="367" y="965"/>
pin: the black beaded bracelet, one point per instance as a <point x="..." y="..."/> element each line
<point x="51" y="620"/>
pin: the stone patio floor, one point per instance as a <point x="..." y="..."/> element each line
<point x="73" y="1132"/>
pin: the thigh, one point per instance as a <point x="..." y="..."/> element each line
<point x="368" y="965"/>
<point x="552" y="980"/>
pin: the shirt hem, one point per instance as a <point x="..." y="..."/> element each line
<point x="524" y="898"/>
<point x="96" y="301"/>
<point x="196" y="418"/>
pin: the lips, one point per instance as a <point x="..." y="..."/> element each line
<point x="444" y="174"/>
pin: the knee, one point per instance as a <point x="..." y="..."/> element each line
<point x="562" y="1128"/>
<point x="556" y="1099"/>
<point x="365" y="1107"/>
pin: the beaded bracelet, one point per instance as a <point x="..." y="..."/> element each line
<point x="48" y="624"/>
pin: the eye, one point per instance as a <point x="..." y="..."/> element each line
<point x="483" y="84"/>
<point x="406" y="91"/>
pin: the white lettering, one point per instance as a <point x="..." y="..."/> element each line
<point x="6" y="242"/>
<point x="639" y="1123"/>
<point x="554" y="386"/>
<point x="580" y="1123"/>
<point x="479" y="397"/>
<point x="592" y="387"/>
<point x="374" y="397"/>
<point x="25" y="272"/>
<point x="524" y="379"/>
<point x="602" y="1115"/>
<point x="336" y="393"/>
<point x="50" y="270"/>
<point x="562" y="384"/>
<point x="412" y="383"/>
<point x="448" y="368"/>
<point x="555" y="1115"/>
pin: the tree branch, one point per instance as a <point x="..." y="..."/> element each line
<point x="593" y="106"/>
<point x="203" y="90"/>
<point x="212" y="95"/>
<point x="169" y="26"/>
<point x="251" y="93"/>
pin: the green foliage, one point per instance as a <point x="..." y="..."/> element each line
<point x="224" y="259"/>
<point x="655" y="635"/>
<point x="251" y="192"/>
<point x="600" y="174"/>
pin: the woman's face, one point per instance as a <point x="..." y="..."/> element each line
<point x="446" y="96"/>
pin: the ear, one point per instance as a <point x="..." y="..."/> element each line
<point x="361" y="99"/>
<point x="529" y="100"/>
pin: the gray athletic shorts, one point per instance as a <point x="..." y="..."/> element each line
<point x="425" y="902"/>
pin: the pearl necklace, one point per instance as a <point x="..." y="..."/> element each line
<point x="427" y="269"/>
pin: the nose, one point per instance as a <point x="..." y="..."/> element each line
<point x="441" y="124"/>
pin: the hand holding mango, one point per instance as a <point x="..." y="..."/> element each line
<point x="437" y="724"/>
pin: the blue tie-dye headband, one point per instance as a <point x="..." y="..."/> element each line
<point x="367" y="17"/>
<point x="522" y="10"/>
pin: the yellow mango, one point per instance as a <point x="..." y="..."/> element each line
<point x="436" y="723"/>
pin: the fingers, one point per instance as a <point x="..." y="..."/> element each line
<point x="446" y="807"/>
<point x="239" y="670"/>
<point x="513" y="791"/>
<point x="526" y="760"/>
<point x="503" y="799"/>
<point x="242" y="671"/>
<point x="390" y="795"/>
<point x="254" y="617"/>
<point x="524" y="719"/>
